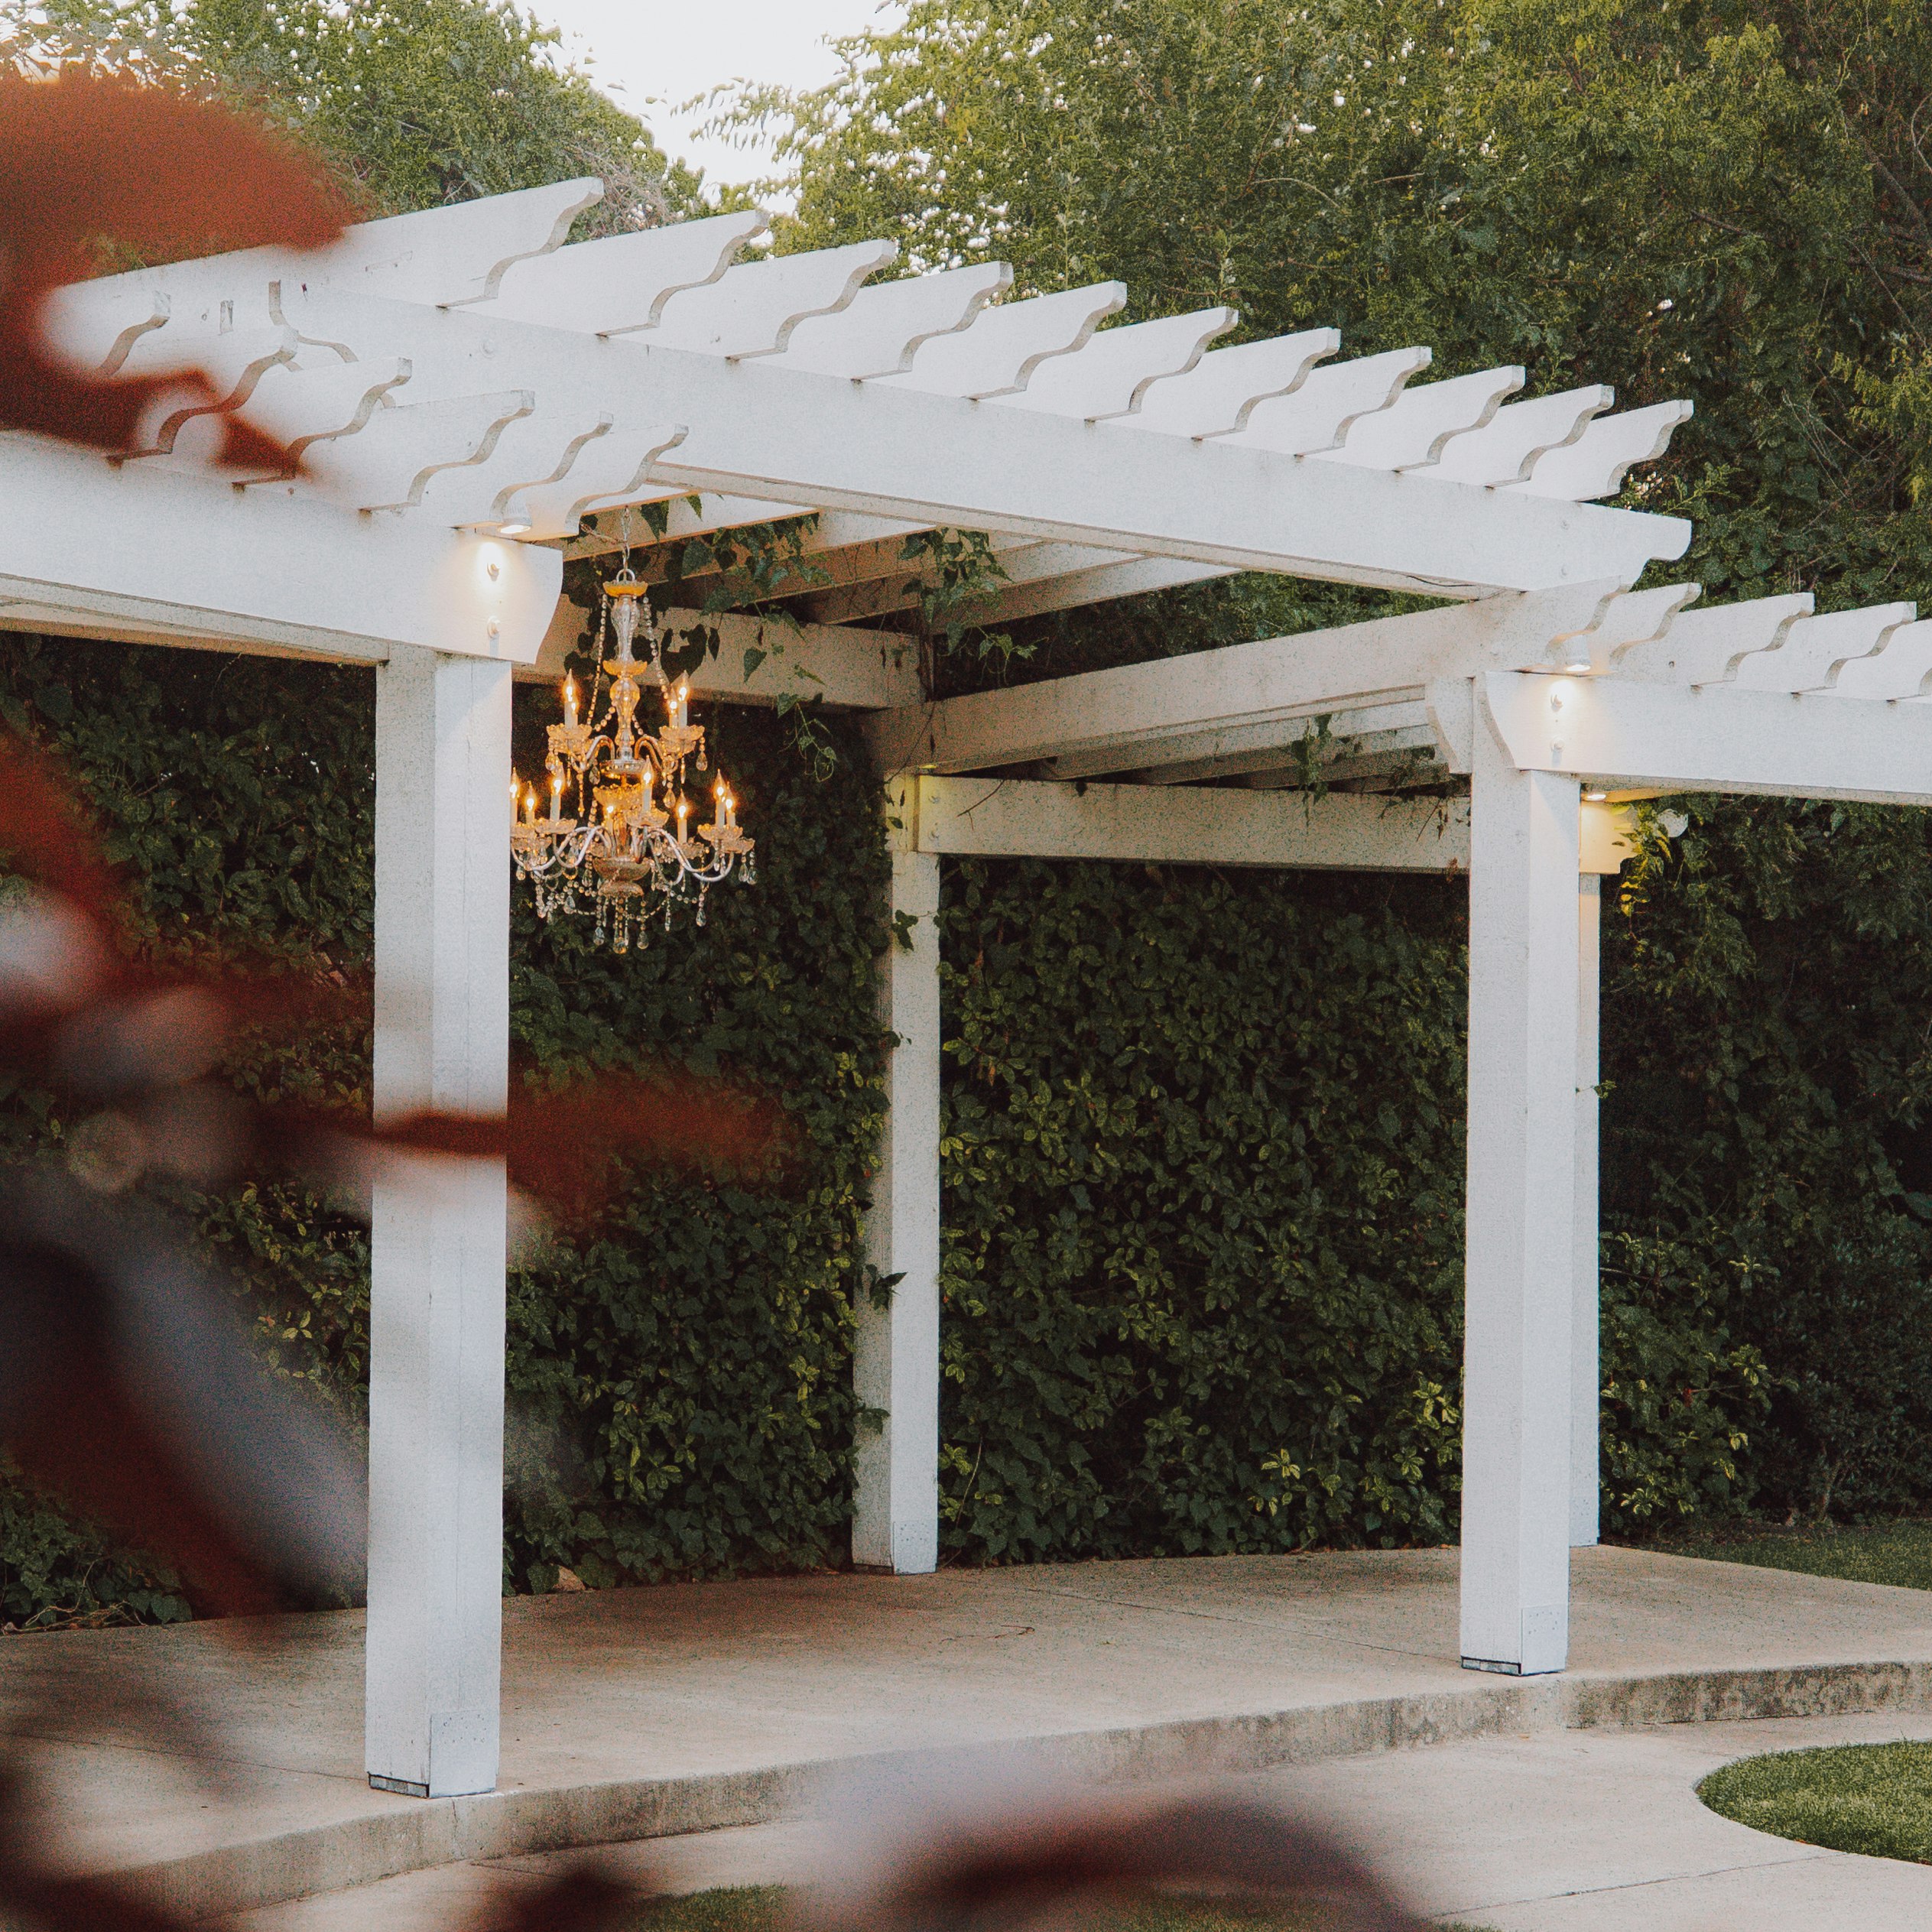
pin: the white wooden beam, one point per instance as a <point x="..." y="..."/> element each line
<point x="846" y="670"/>
<point x="1109" y="375"/>
<point x="833" y="529"/>
<point x="1525" y="975"/>
<point x="1318" y="413"/>
<point x="895" y="1348"/>
<point x="235" y="364"/>
<point x="1621" y="736"/>
<point x="300" y="407"/>
<point x="401" y="454"/>
<point x="1705" y="646"/>
<point x="111" y="624"/>
<point x="999" y="354"/>
<point x="752" y="309"/>
<point x="1596" y="464"/>
<point x="884" y="326"/>
<point x="808" y="437"/>
<point x="621" y="282"/>
<point x="1237" y="686"/>
<point x="437" y="1235"/>
<point x="1097" y="583"/>
<point x="98" y="334"/>
<point x="869" y="447"/>
<point x="214" y="563"/>
<point x="1902" y="669"/>
<point x="1152" y="825"/>
<point x="606" y="466"/>
<point x="529" y="449"/>
<point x="1222" y="391"/>
<point x="1359" y="740"/>
<point x="1815" y="650"/>
<point x="1414" y="429"/>
<point x="1506" y="450"/>
<point x="1639" y="617"/>
<point x="454" y="255"/>
<point x="879" y="581"/>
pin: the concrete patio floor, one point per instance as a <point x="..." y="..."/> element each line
<point x="633" y="1714"/>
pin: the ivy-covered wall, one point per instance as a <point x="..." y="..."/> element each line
<point x="1202" y="1172"/>
<point x="1768" y="1041"/>
<point x="679" y="1394"/>
<point x="1202" y="1165"/>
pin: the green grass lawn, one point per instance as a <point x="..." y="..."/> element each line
<point x="1886" y="1553"/>
<point x="761" y="1908"/>
<point x="1874" y="1798"/>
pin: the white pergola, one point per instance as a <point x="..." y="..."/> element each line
<point x="465" y="391"/>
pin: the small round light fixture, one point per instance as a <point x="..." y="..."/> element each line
<point x="1596" y="797"/>
<point x="1579" y="670"/>
<point x="513" y="529"/>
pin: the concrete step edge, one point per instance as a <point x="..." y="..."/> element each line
<point x="416" y="1835"/>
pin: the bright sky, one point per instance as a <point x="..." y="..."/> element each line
<point x="651" y="54"/>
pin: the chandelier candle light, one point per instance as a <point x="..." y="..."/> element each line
<point x="618" y="853"/>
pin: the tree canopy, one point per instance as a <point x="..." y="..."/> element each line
<point x="1725" y="200"/>
<point x="412" y="103"/>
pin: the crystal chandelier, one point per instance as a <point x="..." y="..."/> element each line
<point x="619" y="854"/>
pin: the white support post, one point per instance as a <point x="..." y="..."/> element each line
<point x="437" y="1237"/>
<point x="1586" y="1392"/>
<point x="1524" y="860"/>
<point x="895" y="1352"/>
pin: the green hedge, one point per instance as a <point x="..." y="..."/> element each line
<point x="1768" y="1039"/>
<point x="679" y="1377"/>
<point x="1202" y="1172"/>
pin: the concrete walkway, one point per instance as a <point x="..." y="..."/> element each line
<point x="1588" y="1832"/>
<point x="633" y="1714"/>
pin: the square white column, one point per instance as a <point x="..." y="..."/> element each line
<point x="438" y="1233"/>
<point x="1586" y="1383"/>
<point x="895" y="1352"/>
<point x="1523" y="974"/>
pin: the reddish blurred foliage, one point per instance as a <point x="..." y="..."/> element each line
<point x="89" y="158"/>
<point x="82" y="1014"/>
<point x="1066" y="1859"/>
<point x="80" y="1436"/>
<point x="45" y="839"/>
